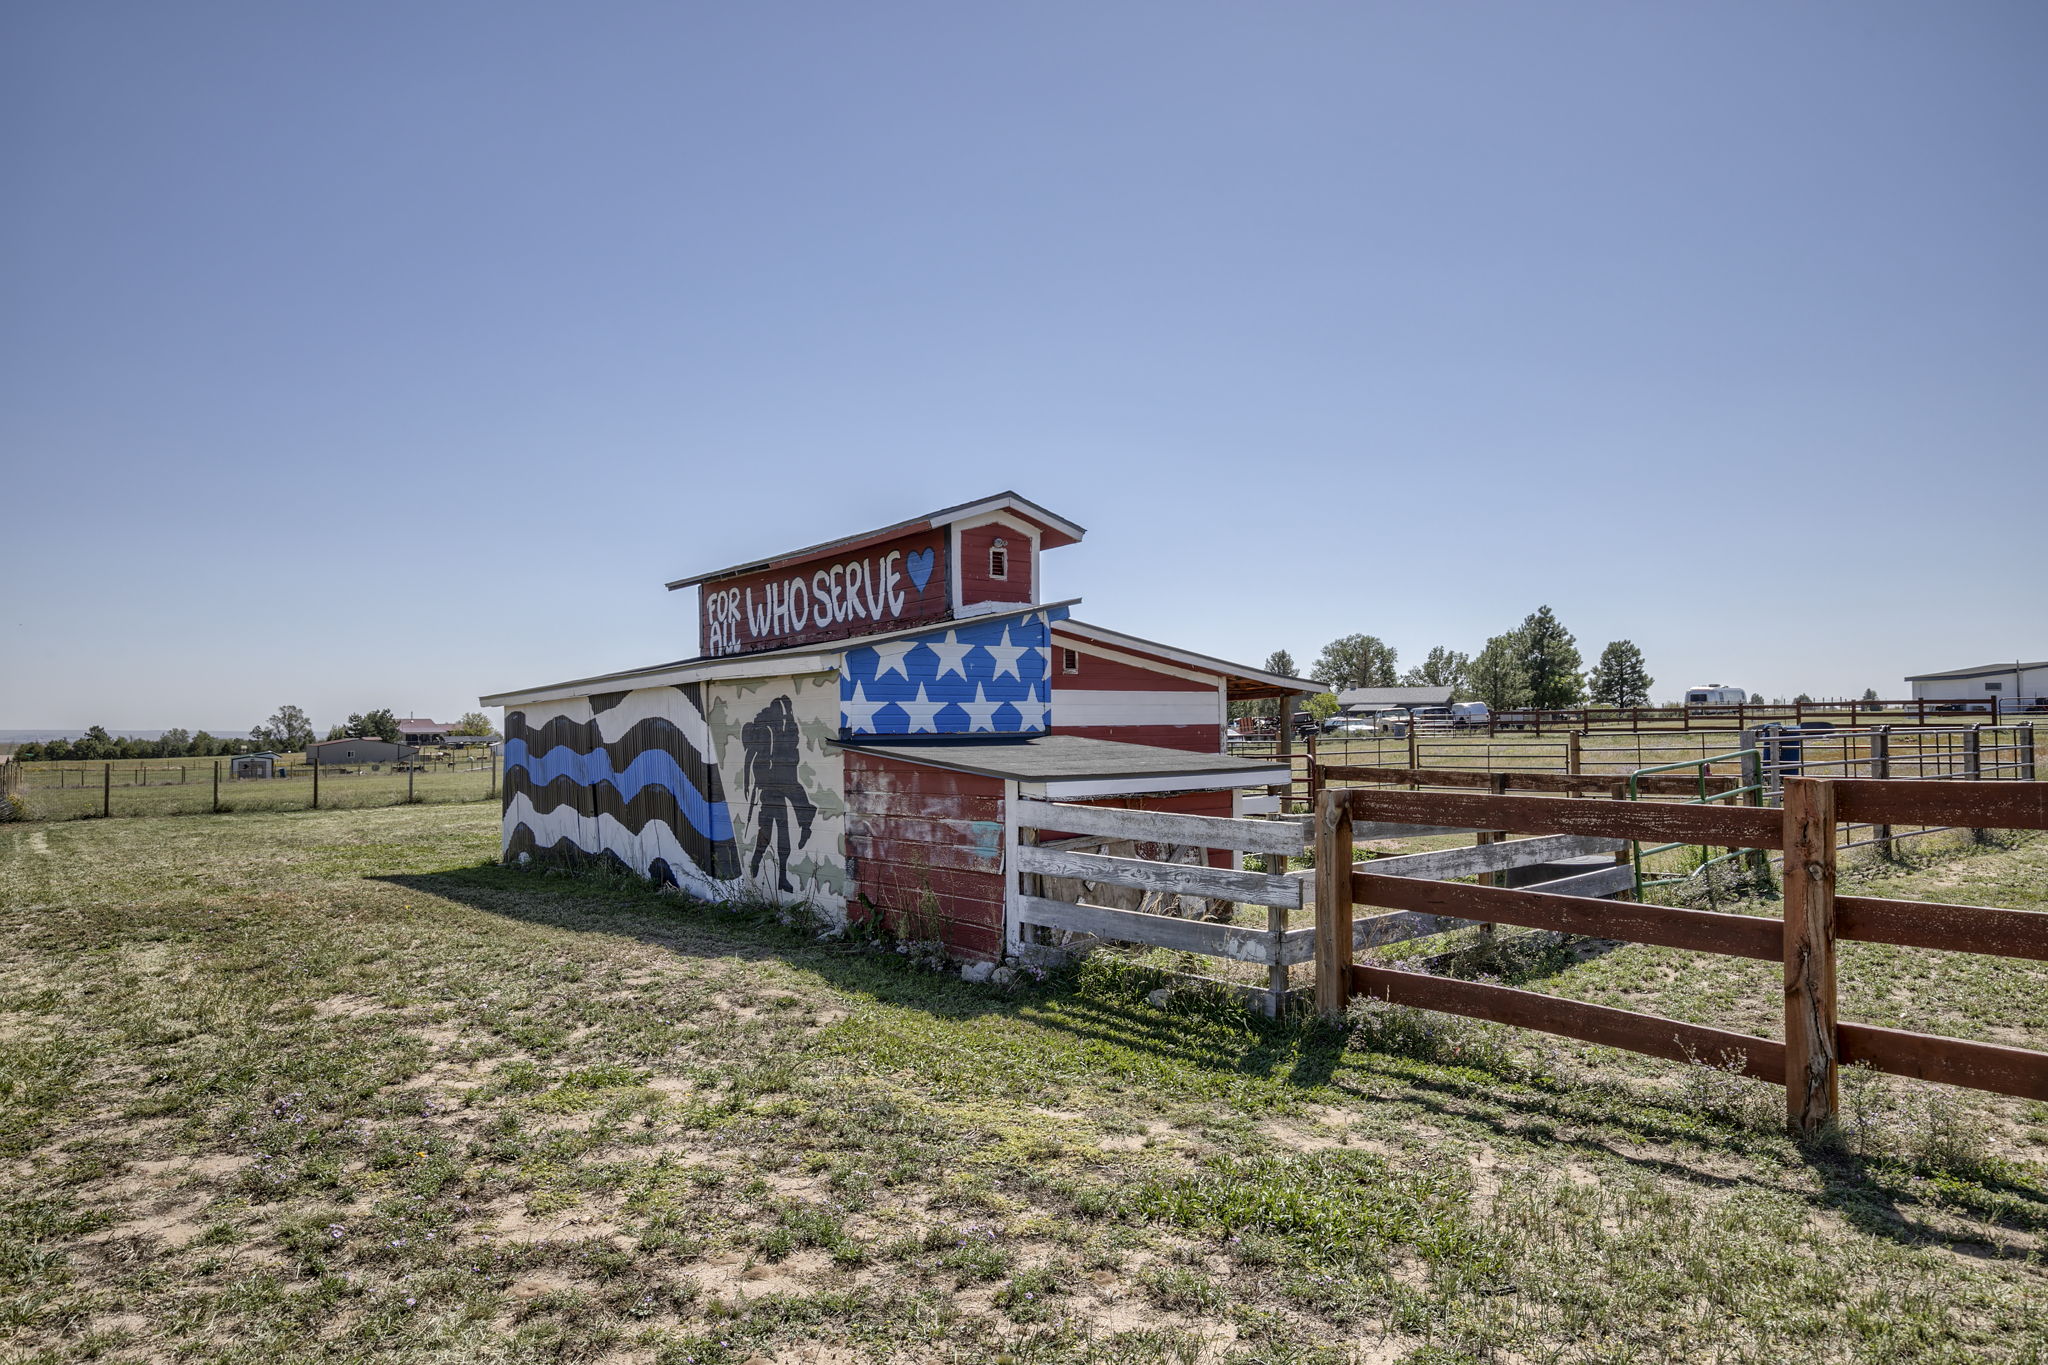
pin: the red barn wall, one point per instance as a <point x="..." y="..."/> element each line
<point x="912" y="829"/>
<point x="975" y="583"/>
<point x="1161" y="723"/>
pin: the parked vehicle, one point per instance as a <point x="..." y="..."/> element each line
<point x="1465" y="713"/>
<point x="1715" y="694"/>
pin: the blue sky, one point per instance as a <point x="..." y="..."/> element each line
<point x="388" y="355"/>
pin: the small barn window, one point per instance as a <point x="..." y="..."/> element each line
<point x="1994" y="687"/>
<point x="999" y="559"/>
<point x="1070" y="661"/>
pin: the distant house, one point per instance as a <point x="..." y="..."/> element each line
<point x="2015" y="686"/>
<point x="415" y="731"/>
<point x="332" y="751"/>
<point x="1361" y="701"/>
<point x="468" y="741"/>
<point x="254" y="765"/>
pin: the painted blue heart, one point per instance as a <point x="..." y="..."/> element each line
<point x="920" y="565"/>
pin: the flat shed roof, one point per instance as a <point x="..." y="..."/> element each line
<point x="1079" y="765"/>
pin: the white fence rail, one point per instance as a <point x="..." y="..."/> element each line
<point x="1274" y="946"/>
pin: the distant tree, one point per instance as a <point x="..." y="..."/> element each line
<point x="31" y="752"/>
<point x="286" y="730"/>
<point x="1496" y="675"/>
<point x="175" y="742"/>
<point x="472" y="723"/>
<point x="1620" y="678"/>
<point x="1800" y="700"/>
<point x="204" y="745"/>
<point x="1550" y="659"/>
<point x="337" y="732"/>
<point x="1445" y="667"/>
<point x="378" y="724"/>
<point x="1355" y="661"/>
<point x="1321" y="705"/>
<point x="1281" y="662"/>
<point x="58" y="751"/>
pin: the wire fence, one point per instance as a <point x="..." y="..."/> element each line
<point x="203" y="786"/>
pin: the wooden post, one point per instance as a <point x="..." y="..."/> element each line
<point x="1414" y="745"/>
<point x="1333" y="904"/>
<point x="494" y="771"/>
<point x="1881" y="766"/>
<point x="411" y="765"/>
<point x="107" y="791"/>
<point x="1753" y="777"/>
<point x="1812" y="1049"/>
<point x="316" y="782"/>
<point x="1973" y="764"/>
<point x="2024" y="740"/>
<point x="1571" y="753"/>
<point x="216" y="786"/>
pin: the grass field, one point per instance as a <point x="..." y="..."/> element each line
<point x="328" y="1086"/>
<point x="169" y="786"/>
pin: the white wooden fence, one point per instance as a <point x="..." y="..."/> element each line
<point x="1275" y="946"/>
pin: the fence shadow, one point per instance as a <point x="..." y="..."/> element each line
<point x="1567" y="1113"/>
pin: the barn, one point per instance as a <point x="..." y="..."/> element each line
<point x="860" y="721"/>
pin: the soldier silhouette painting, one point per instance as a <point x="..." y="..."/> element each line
<point x="770" y="740"/>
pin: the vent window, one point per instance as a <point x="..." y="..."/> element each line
<point x="999" y="559"/>
<point x="1070" y="661"/>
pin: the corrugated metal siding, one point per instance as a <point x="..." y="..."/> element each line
<point x="915" y="833"/>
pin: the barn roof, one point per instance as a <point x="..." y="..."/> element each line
<point x="1077" y="765"/>
<point x="1352" y="697"/>
<point x="1982" y="670"/>
<point x="1244" y="682"/>
<point x="1054" y="531"/>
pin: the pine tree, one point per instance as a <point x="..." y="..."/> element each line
<point x="1620" y="678"/>
<point x="1550" y="660"/>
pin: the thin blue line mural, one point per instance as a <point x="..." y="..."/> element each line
<point x="635" y="782"/>
<point x="980" y="677"/>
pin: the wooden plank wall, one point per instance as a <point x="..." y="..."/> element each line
<point x="913" y="830"/>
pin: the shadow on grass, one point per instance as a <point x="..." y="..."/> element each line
<point x="1299" y="1054"/>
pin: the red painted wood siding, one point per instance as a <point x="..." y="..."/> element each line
<point x="1108" y="675"/>
<point x="975" y="584"/>
<point x="1195" y="739"/>
<point x="912" y="830"/>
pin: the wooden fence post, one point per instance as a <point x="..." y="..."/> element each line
<point x="1881" y="766"/>
<point x="411" y="766"/>
<point x="316" y="782"/>
<point x="216" y="786"/>
<point x="1973" y="764"/>
<point x="1572" y="762"/>
<point x="1812" y="1048"/>
<point x="107" y="791"/>
<point x="2025" y="740"/>
<point x="1333" y="903"/>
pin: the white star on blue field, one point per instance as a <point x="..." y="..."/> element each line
<point x="986" y="677"/>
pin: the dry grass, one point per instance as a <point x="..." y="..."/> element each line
<point x="328" y="1087"/>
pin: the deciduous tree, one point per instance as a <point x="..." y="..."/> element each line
<point x="1355" y="661"/>
<point x="286" y="730"/>
<point x="1496" y="675"/>
<point x="1445" y="667"/>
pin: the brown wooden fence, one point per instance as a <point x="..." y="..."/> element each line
<point x="1816" y="1043"/>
